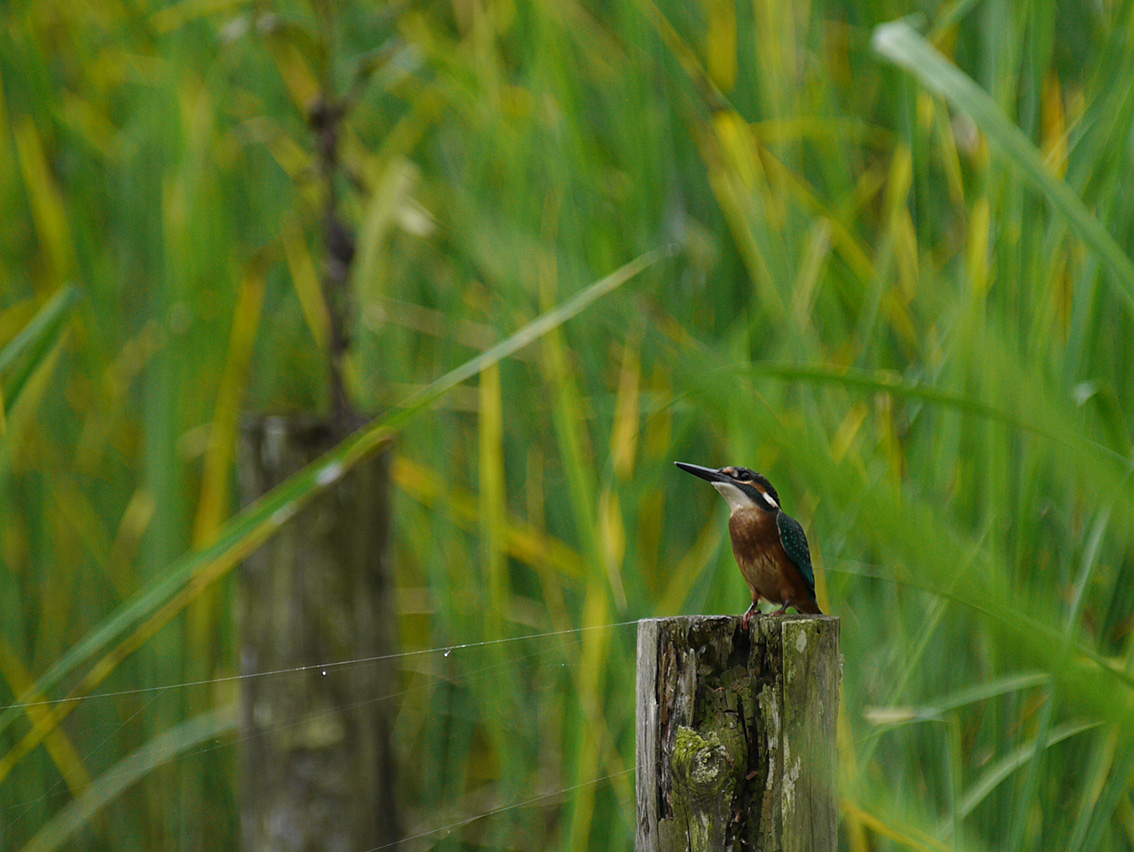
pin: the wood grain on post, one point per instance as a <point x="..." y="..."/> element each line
<point x="736" y="734"/>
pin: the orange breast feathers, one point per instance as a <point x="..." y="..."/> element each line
<point x="759" y="554"/>
<point x="762" y="560"/>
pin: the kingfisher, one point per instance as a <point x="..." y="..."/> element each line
<point x="769" y="545"/>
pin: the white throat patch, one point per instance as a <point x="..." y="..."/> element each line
<point x="737" y="499"/>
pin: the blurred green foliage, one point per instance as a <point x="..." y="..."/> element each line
<point x="900" y="286"/>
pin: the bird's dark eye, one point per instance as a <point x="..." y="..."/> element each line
<point x="743" y="475"/>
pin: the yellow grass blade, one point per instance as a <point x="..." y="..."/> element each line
<point x="47" y="205"/>
<point x="305" y="280"/>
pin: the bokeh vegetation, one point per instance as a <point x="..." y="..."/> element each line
<point x="891" y="270"/>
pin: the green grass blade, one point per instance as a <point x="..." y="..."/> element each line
<point x="899" y="43"/>
<point x="882" y="381"/>
<point x="1003" y="768"/>
<point x="34" y="340"/>
<point x="159" y="751"/>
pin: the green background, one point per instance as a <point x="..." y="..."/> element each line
<point x="888" y="266"/>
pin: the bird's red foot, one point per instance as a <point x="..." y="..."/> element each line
<point x="783" y="609"/>
<point x="752" y="610"/>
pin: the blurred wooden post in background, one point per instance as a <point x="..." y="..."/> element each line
<point x="736" y="733"/>
<point x="317" y="761"/>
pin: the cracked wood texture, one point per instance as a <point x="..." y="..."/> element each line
<point x="736" y="734"/>
<point x="317" y="759"/>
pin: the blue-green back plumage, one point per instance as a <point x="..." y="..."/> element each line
<point x="795" y="545"/>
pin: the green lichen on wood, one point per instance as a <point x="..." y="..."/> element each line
<point x="724" y="711"/>
<point x="701" y="772"/>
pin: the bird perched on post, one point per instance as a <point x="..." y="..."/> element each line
<point x="770" y="546"/>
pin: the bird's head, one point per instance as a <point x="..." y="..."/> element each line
<point x="742" y="488"/>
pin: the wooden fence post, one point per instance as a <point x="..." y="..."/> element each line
<point x="317" y="746"/>
<point x="736" y="734"/>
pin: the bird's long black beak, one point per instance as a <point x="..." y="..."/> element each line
<point x="704" y="472"/>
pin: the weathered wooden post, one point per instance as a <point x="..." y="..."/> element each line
<point x="736" y="734"/>
<point x="318" y="765"/>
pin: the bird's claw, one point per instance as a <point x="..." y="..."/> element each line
<point x="747" y="619"/>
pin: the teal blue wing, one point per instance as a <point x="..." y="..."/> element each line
<point x="795" y="544"/>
